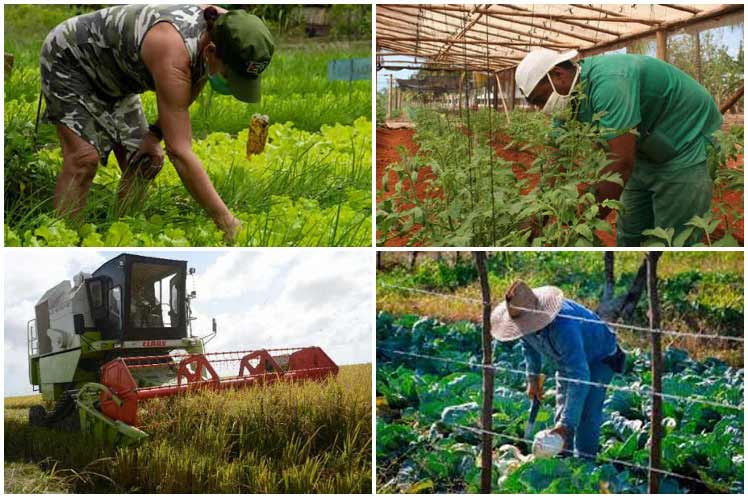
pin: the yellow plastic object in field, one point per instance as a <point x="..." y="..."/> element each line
<point x="258" y="134"/>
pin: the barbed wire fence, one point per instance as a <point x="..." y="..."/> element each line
<point x="654" y="392"/>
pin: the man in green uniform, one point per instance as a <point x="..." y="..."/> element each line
<point x="658" y="122"/>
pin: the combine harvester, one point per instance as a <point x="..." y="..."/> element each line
<point x="123" y="335"/>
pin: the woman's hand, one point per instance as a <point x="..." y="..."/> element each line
<point x="149" y="158"/>
<point x="230" y="225"/>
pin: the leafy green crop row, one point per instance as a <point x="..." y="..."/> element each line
<point x="305" y="189"/>
<point x="422" y="401"/>
<point x="311" y="186"/>
<point x="476" y="199"/>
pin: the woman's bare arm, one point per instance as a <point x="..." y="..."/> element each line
<point x="165" y="55"/>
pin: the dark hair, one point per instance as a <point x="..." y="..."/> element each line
<point x="211" y="15"/>
<point x="568" y="65"/>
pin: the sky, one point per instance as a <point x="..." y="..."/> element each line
<point x="260" y="299"/>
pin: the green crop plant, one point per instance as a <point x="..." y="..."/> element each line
<point x="305" y="189"/>
<point x="422" y="403"/>
<point x="281" y="438"/>
<point x="310" y="187"/>
<point x="475" y="198"/>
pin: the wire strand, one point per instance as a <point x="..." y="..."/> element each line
<point x="580" y="319"/>
<point x="645" y="391"/>
<point x="648" y="468"/>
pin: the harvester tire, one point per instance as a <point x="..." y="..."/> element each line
<point x="37" y="416"/>
<point x="62" y="416"/>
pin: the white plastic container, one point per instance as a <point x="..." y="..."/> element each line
<point x="547" y="444"/>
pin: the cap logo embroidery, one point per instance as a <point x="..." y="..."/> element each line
<point x="255" y="68"/>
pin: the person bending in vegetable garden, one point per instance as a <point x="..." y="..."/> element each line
<point x="658" y="122"/>
<point x="578" y="350"/>
<point x="94" y="66"/>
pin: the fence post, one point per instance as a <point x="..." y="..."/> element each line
<point x="654" y="323"/>
<point x="487" y="413"/>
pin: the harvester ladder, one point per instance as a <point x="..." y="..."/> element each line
<point x="32" y="338"/>
<point x="32" y="343"/>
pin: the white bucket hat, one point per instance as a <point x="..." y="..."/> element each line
<point x="510" y="320"/>
<point x="536" y="65"/>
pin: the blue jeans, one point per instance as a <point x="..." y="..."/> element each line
<point x="587" y="434"/>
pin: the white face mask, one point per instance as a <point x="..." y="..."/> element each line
<point x="557" y="102"/>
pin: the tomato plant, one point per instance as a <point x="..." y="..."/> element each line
<point x="476" y="198"/>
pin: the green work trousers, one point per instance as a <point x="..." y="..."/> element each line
<point x="662" y="197"/>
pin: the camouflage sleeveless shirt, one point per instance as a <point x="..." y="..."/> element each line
<point x="92" y="73"/>
<point x="106" y="43"/>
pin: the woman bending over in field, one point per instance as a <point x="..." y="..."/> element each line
<point x="94" y="68"/>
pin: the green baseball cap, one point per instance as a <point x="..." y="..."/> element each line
<point x="247" y="47"/>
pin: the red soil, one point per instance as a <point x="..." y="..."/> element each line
<point x="734" y="199"/>
<point x="389" y="140"/>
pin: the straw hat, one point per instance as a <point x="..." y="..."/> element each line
<point x="509" y="323"/>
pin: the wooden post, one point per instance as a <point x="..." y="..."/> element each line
<point x="697" y="49"/>
<point x="459" y="93"/>
<point x="654" y="323"/>
<point x="503" y="100"/>
<point x="662" y="45"/>
<point x="512" y="90"/>
<point x="487" y="414"/>
<point x="389" y="99"/>
<point x="732" y="100"/>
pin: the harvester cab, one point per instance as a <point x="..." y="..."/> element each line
<point x="123" y="335"/>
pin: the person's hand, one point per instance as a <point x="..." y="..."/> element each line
<point x="535" y="225"/>
<point x="230" y="226"/>
<point x="535" y="387"/>
<point x="562" y="431"/>
<point x="149" y="158"/>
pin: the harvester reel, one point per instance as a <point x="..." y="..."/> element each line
<point x="109" y="409"/>
<point x="196" y="369"/>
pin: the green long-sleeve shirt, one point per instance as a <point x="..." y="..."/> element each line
<point x="672" y="113"/>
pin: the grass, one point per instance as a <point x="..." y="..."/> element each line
<point x="28" y="478"/>
<point x="699" y="291"/>
<point x="285" y="438"/>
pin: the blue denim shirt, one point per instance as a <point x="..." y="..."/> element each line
<point x="571" y="346"/>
